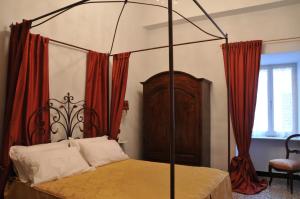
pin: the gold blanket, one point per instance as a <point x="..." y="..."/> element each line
<point x="131" y="179"/>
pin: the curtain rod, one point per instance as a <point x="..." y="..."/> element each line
<point x="70" y="45"/>
<point x="140" y="50"/>
<point x="165" y="46"/>
<point x="281" y="39"/>
<point x="179" y="44"/>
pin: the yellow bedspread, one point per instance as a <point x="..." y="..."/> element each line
<point x="133" y="179"/>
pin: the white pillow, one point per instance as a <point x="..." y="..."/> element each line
<point x="16" y="154"/>
<point x="101" y="153"/>
<point x="43" y="166"/>
<point x="76" y="142"/>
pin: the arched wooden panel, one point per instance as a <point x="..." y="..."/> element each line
<point x="187" y="118"/>
<point x="192" y="115"/>
<point x="159" y="124"/>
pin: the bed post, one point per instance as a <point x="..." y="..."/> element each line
<point x="172" y="101"/>
<point x="108" y="98"/>
<point x="228" y="103"/>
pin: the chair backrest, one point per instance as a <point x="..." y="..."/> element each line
<point x="288" y="149"/>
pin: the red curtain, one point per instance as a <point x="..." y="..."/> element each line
<point x="118" y="90"/>
<point x="96" y="93"/>
<point x="27" y="90"/>
<point x="243" y="70"/>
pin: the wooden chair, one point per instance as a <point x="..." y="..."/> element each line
<point x="286" y="165"/>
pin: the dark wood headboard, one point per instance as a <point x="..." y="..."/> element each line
<point x="65" y="117"/>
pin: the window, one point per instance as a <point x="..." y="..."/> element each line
<point x="276" y="106"/>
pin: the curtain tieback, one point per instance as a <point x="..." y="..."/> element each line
<point x="244" y="156"/>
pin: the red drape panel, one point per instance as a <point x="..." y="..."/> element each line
<point x="118" y="90"/>
<point x="243" y="70"/>
<point x="27" y="90"/>
<point x="96" y="93"/>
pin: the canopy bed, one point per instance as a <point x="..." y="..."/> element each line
<point x="215" y="185"/>
<point x="121" y="179"/>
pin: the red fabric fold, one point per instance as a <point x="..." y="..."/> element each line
<point x="27" y="90"/>
<point x="118" y="90"/>
<point x="245" y="182"/>
<point x="243" y="70"/>
<point x="96" y="94"/>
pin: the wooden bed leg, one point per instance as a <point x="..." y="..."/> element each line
<point x="270" y="174"/>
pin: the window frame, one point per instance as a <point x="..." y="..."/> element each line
<point x="270" y="87"/>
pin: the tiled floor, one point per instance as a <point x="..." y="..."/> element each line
<point x="278" y="190"/>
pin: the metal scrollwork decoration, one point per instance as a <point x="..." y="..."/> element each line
<point x="65" y="117"/>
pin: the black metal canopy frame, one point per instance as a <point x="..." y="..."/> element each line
<point x="169" y="8"/>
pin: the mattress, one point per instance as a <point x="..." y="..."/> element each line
<point x="131" y="179"/>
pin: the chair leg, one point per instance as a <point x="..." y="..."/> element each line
<point x="270" y="174"/>
<point x="291" y="182"/>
